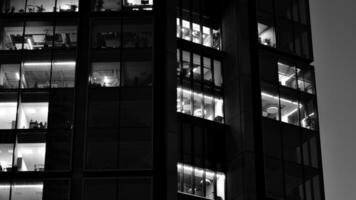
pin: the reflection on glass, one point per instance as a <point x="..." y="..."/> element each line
<point x="186" y="64"/>
<point x="27" y="191"/>
<point x="11" y="35"/>
<point x="30" y="156"/>
<point x="65" y="35"/>
<point x="35" y="74"/>
<point x="208" y="76"/>
<point x="137" y="35"/>
<point x="107" y="5"/>
<point x="207" y="183"/>
<point x="306" y="81"/>
<point x="38" y="35"/>
<point x="287" y="75"/>
<point x="266" y="35"/>
<point x="200" y="105"/>
<point x="6" y="152"/>
<point x="270" y="105"/>
<point x="218" y="78"/>
<point x="9" y="76"/>
<point x="105" y="74"/>
<point x="138" y="4"/>
<point x="196" y="67"/>
<point x="13" y="6"/>
<point x="137" y="74"/>
<point x="8" y="107"/>
<point x="106" y="34"/>
<point x="308" y="116"/>
<point x="199" y="34"/>
<point x="289" y="110"/>
<point x="39" y="6"/>
<point x="63" y="74"/>
<point x="67" y="5"/>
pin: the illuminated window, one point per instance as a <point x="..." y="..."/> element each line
<point x="138" y="4"/>
<point x="39" y="6"/>
<point x="199" y="34"/>
<point x="9" y="76"/>
<point x="30" y="156"/>
<point x="286" y="107"/>
<point x="105" y="74"/>
<point x="266" y="35"/>
<point x="8" y="108"/>
<point x="200" y="182"/>
<point x="200" y="105"/>
<point x="6" y="155"/>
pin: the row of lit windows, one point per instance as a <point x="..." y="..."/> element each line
<point x="193" y="66"/>
<point x="200" y="182"/>
<point x="41" y="6"/>
<point x="200" y="105"/>
<point x="199" y="34"/>
<point x="37" y="35"/>
<point x="38" y="74"/>
<point x="42" y="35"/>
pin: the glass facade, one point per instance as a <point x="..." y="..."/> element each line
<point x="117" y="5"/>
<point x="285" y="25"/>
<point x="200" y="182"/>
<point x="200" y="82"/>
<point x="199" y="34"/>
<point x="39" y="6"/>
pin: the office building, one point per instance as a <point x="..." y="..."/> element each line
<point x="158" y="99"/>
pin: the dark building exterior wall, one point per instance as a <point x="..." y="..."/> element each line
<point x="178" y="99"/>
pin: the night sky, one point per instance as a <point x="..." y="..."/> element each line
<point x="334" y="40"/>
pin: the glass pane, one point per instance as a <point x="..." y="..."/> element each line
<point x="196" y="67"/>
<point x="65" y="35"/>
<point x="289" y="106"/>
<point x="63" y="71"/>
<point x="67" y="5"/>
<point x="9" y="76"/>
<point x="287" y="75"/>
<point x="30" y="152"/>
<point x="107" y="5"/>
<point x="137" y="74"/>
<point x="179" y="33"/>
<point x="33" y="111"/>
<point x="216" y="39"/>
<point x="34" y="6"/>
<point x="208" y="77"/>
<point x="5" y="191"/>
<point x="207" y="36"/>
<point x="186" y="64"/>
<point x="6" y="155"/>
<point x="218" y="80"/>
<point x="209" y="108"/>
<point x="38" y="35"/>
<point x="106" y="34"/>
<point x="199" y="182"/>
<point x="219" y="110"/>
<point x="105" y="74"/>
<point x="306" y="81"/>
<point x="187" y="101"/>
<point x="138" y="4"/>
<point x="198" y="105"/>
<point x="36" y="74"/>
<point x="179" y="100"/>
<point x="13" y="6"/>
<point x="308" y="114"/>
<point x="270" y="102"/>
<point x="266" y="35"/>
<point x="188" y="179"/>
<point x="11" y="35"/>
<point x="137" y="33"/>
<point x="210" y="184"/>
<point x="33" y="191"/>
<point x="8" y="107"/>
<point x="186" y="31"/>
<point x="196" y="33"/>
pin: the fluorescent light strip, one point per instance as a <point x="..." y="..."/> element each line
<point x="208" y="173"/>
<point x="37" y="186"/>
<point x="189" y="92"/>
<point x="69" y="63"/>
<point x="281" y="99"/>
